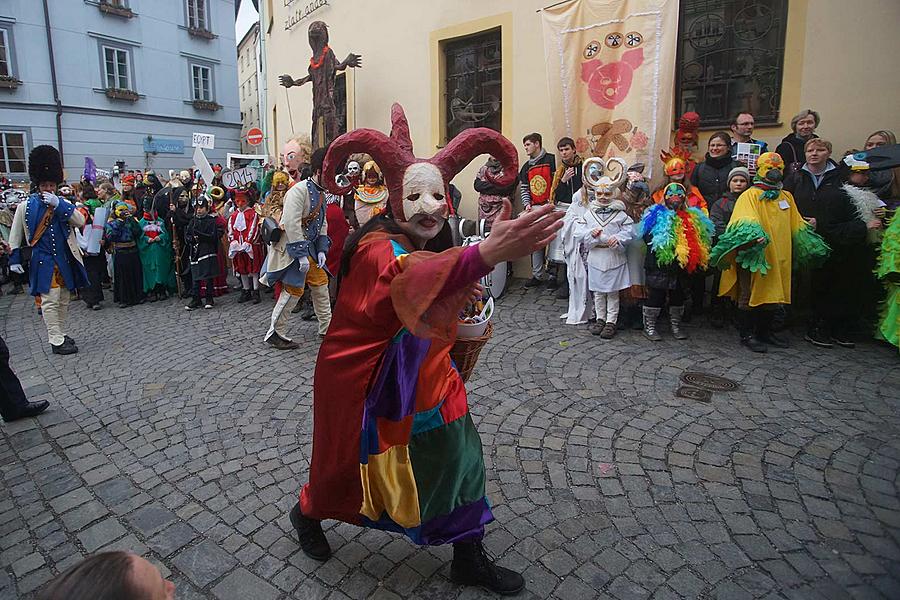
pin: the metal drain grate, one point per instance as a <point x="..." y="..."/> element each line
<point x="712" y="383"/>
<point x="692" y="393"/>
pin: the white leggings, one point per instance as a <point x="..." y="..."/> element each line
<point x="246" y="280"/>
<point x="607" y="303"/>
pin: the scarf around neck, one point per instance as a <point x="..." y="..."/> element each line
<point x="534" y="161"/>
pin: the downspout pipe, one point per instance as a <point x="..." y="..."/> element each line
<point x="56" y="100"/>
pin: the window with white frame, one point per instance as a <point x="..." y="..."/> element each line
<point x="5" y="54"/>
<point x="116" y="68"/>
<point x="12" y="152"/>
<point x="196" y="14"/>
<point x="201" y="83"/>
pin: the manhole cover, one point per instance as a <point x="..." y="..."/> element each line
<point x="713" y="383"/>
<point x="692" y="393"/>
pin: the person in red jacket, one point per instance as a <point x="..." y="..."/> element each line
<point x="244" y="246"/>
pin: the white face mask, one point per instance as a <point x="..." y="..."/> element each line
<point x="352" y="168"/>
<point x="423" y="192"/>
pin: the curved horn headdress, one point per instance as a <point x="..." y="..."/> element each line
<point x="394" y="155"/>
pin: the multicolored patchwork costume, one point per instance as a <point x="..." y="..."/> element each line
<point x="394" y="446"/>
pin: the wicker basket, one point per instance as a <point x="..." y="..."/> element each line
<point x="465" y="352"/>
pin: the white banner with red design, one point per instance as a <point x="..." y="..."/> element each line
<point x="611" y="71"/>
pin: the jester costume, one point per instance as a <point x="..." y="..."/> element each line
<point x="765" y="237"/>
<point x="678" y="238"/>
<point x="394" y="445"/>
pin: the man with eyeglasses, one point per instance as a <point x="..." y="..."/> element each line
<point x="742" y="133"/>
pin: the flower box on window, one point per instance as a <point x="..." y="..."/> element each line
<point x="120" y="94"/>
<point x="111" y="9"/>
<point x="9" y="82"/>
<point x="206" y="105"/>
<point x="201" y="33"/>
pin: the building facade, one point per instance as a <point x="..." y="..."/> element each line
<point x="120" y="81"/>
<point x="248" y="81"/>
<point x="454" y="63"/>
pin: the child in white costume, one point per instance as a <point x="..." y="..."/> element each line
<point x="607" y="231"/>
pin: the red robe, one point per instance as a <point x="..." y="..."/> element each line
<point x="394" y="446"/>
<point x="338" y="230"/>
<point x="241" y="260"/>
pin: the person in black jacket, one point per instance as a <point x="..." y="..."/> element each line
<point x="711" y="175"/>
<point x="202" y="236"/>
<point x="793" y="146"/>
<point x="835" y="284"/>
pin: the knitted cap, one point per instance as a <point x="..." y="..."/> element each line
<point x="742" y="171"/>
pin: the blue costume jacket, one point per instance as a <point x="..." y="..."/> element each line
<point x="52" y="250"/>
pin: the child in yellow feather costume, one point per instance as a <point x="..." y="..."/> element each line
<point x="765" y="237"/>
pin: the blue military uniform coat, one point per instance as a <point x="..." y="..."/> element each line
<point x="56" y="248"/>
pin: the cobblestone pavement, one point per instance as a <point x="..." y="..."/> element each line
<point x="182" y="437"/>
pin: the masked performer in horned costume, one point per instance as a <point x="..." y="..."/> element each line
<point x="394" y="446"/>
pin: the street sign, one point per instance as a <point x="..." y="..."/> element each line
<point x="255" y="136"/>
<point x="203" y="140"/>
<point x="161" y="146"/>
<point x="239" y="177"/>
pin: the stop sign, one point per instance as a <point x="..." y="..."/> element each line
<point x="255" y="136"/>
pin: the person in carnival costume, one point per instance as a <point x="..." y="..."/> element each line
<point x="606" y="232"/>
<point x="157" y="256"/>
<point x="394" y="446"/>
<point x="298" y="258"/>
<point x="245" y="246"/>
<point x="765" y="236"/>
<point x="874" y="162"/>
<point x="202" y="235"/>
<point x="371" y="197"/>
<point x="675" y="169"/>
<point x="94" y="264"/>
<point x="44" y="227"/>
<point x="122" y="233"/>
<point x="678" y="238"/>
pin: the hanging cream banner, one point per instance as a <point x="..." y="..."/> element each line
<point x="611" y="71"/>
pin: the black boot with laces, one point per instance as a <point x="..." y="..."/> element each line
<point x="472" y="566"/>
<point x="312" y="539"/>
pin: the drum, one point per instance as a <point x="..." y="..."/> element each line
<point x="495" y="281"/>
<point x="555" y="253"/>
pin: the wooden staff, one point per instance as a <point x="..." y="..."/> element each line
<point x="176" y="248"/>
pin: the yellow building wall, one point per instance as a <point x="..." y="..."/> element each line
<point x="399" y="40"/>
<point x="838" y="60"/>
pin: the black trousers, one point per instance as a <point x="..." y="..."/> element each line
<point x="12" y="396"/>
<point x="656" y="297"/>
<point x="96" y="269"/>
<point x="210" y="288"/>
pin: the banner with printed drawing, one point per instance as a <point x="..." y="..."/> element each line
<point x="611" y="72"/>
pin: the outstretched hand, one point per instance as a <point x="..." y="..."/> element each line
<point x="353" y="60"/>
<point x="286" y="80"/>
<point x="514" y="238"/>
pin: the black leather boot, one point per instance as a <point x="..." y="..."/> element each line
<point x="745" y="320"/>
<point x="764" y="333"/>
<point x="472" y="566"/>
<point x="312" y="539"/>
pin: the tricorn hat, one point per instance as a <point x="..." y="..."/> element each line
<point x="44" y="164"/>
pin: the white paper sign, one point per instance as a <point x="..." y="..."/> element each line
<point x="95" y="234"/>
<point x="206" y="171"/>
<point x="239" y="177"/>
<point x="203" y="140"/>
